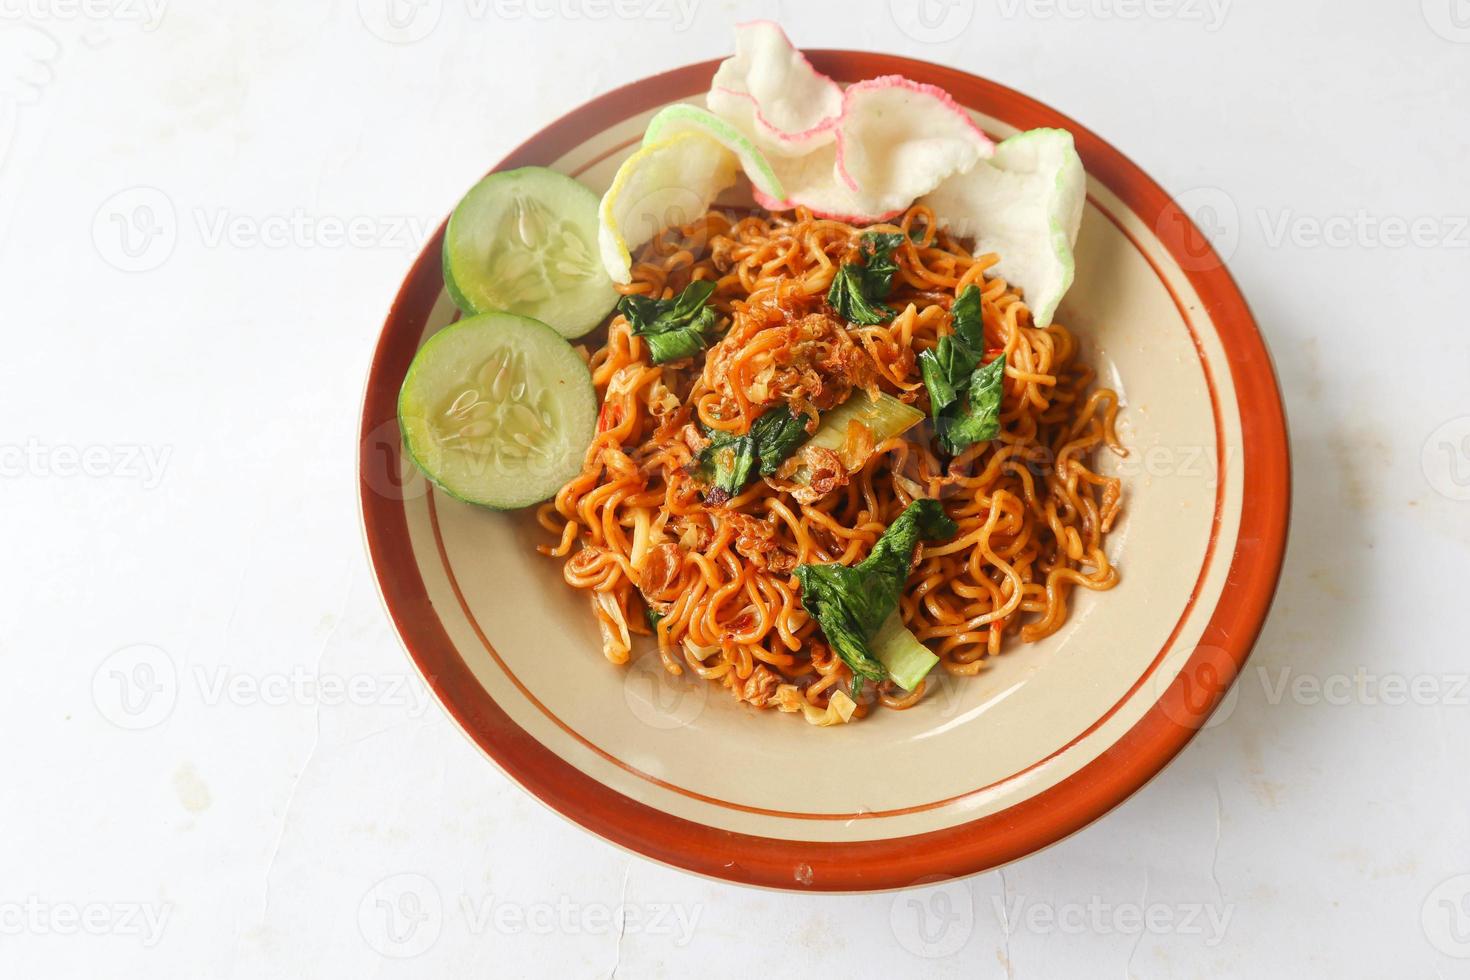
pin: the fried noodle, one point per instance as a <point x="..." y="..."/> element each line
<point x="636" y="531"/>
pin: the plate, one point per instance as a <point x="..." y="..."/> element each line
<point x="985" y="769"/>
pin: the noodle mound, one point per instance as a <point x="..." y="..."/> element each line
<point x="641" y="533"/>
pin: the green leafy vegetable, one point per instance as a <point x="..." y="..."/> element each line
<point x="729" y="462"/>
<point x="675" y="327"/>
<point x="851" y="603"/>
<point x="859" y="285"/>
<point x="964" y="396"/>
<point x="777" y="433"/>
<point x="878" y="264"/>
<point x="937" y="366"/>
<point x="726" y="464"/>
<point x="980" y="419"/>
<point x="653" y="616"/>
<point x="675" y="344"/>
<point x="847" y="299"/>
<point x="947" y="367"/>
<point x="969" y="324"/>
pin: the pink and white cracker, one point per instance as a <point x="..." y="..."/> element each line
<point x="769" y="90"/>
<point x="863" y="155"/>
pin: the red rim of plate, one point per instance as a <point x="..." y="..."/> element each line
<point x="966" y="848"/>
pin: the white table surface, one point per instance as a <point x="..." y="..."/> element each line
<point x="183" y="371"/>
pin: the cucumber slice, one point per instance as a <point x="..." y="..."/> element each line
<point x="525" y="241"/>
<point x="498" y="410"/>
